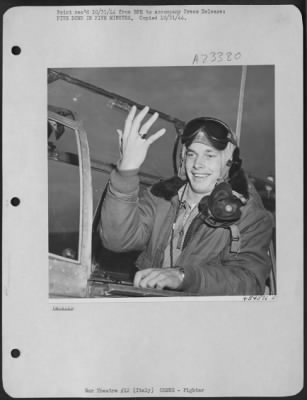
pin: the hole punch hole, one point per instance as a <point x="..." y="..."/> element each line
<point x="15" y="201"/>
<point x="15" y="353"/>
<point x="16" y="50"/>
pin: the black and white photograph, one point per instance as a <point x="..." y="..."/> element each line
<point x="161" y="181"/>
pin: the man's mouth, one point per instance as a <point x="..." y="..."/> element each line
<point x="200" y="175"/>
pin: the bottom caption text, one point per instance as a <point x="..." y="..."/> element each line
<point x="143" y="390"/>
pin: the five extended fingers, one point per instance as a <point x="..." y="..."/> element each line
<point x="133" y="125"/>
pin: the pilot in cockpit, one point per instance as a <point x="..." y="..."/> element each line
<point x="204" y="231"/>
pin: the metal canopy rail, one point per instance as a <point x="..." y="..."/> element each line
<point x="119" y="101"/>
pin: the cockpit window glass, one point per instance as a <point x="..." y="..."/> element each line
<point x="63" y="191"/>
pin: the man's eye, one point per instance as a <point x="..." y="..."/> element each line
<point x="211" y="155"/>
<point x="190" y="154"/>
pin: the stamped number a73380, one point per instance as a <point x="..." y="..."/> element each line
<point x="216" y="57"/>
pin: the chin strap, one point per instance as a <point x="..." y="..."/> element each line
<point x="235" y="239"/>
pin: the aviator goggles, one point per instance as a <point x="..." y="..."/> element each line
<point x="217" y="132"/>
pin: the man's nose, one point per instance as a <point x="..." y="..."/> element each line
<point x="199" y="162"/>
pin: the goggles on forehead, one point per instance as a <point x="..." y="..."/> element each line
<point x="217" y="132"/>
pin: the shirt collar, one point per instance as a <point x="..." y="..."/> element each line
<point x="182" y="195"/>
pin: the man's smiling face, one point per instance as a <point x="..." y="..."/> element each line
<point x="203" y="167"/>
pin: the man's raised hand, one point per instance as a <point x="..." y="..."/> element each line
<point x="133" y="141"/>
